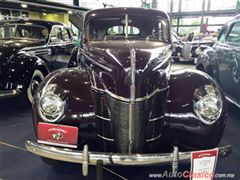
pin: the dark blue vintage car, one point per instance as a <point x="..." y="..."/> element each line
<point x="222" y="61"/>
<point x="29" y="50"/>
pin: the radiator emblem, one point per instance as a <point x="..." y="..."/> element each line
<point x="57" y="136"/>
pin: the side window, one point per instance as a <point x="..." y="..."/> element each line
<point x="157" y="32"/>
<point x="56" y="34"/>
<point x="66" y="34"/>
<point x="222" y="35"/>
<point x="234" y="35"/>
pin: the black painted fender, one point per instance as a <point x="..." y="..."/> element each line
<point x="20" y="69"/>
<point x="207" y="61"/>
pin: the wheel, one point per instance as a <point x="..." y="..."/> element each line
<point x="36" y="79"/>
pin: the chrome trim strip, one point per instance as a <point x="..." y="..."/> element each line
<point x="76" y="156"/>
<point x="40" y="52"/>
<point x="103" y="118"/>
<point x="88" y="115"/>
<point x="163" y="62"/>
<point x="9" y="93"/>
<point x="57" y="144"/>
<point x="181" y="115"/>
<point x="98" y="64"/>
<point x="126" y="26"/>
<point x="153" y="139"/>
<point x="127" y="99"/>
<point x="105" y="138"/>
<point x="232" y="101"/>
<point x="155" y="119"/>
<point x="133" y="76"/>
<point x="132" y="95"/>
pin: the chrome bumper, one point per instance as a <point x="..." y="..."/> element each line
<point x="75" y="156"/>
<point x="9" y="93"/>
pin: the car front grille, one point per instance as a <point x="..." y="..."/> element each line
<point x="113" y="127"/>
<point x="186" y="50"/>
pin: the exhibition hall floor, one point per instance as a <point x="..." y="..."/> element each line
<point x="18" y="164"/>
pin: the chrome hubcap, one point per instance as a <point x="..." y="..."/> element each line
<point x="35" y="83"/>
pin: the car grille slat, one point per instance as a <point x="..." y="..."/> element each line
<point x="145" y="132"/>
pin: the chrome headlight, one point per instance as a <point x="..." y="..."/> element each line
<point x="208" y="104"/>
<point x="51" y="107"/>
<point x="198" y="51"/>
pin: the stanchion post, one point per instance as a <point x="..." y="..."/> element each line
<point x="99" y="169"/>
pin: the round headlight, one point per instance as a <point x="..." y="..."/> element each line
<point x="51" y="107"/>
<point x="207" y="104"/>
<point x="197" y="51"/>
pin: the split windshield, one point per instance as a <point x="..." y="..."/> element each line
<point x="127" y="26"/>
<point x="23" y="31"/>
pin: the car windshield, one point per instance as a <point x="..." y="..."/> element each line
<point x="23" y="31"/>
<point x="127" y="26"/>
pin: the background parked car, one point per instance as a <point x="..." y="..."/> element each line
<point x="189" y="50"/>
<point x="222" y="62"/>
<point x="29" y="50"/>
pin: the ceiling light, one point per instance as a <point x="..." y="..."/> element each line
<point x="70" y="12"/>
<point x="24" y="5"/>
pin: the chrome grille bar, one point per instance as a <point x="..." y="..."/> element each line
<point x="132" y="97"/>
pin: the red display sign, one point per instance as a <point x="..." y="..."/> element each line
<point x="203" y="164"/>
<point x="57" y="135"/>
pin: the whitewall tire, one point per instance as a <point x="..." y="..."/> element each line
<point x="36" y="79"/>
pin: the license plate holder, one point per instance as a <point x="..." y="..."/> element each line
<point x="57" y="135"/>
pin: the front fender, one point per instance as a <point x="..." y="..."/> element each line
<point x="182" y="121"/>
<point x="207" y="61"/>
<point x="21" y="67"/>
<point x="73" y="86"/>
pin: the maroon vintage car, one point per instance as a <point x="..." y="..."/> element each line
<point x="123" y="105"/>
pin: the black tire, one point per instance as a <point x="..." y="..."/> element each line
<point x="36" y="79"/>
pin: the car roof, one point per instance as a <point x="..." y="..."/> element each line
<point x="131" y="11"/>
<point x="237" y="16"/>
<point x="45" y="23"/>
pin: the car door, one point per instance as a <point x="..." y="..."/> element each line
<point x="61" y="46"/>
<point x="229" y="61"/>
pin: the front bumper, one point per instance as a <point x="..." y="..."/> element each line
<point x="9" y="93"/>
<point x="75" y="156"/>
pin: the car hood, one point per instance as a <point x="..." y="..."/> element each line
<point x="111" y="68"/>
<point x="117" y="53"/>
<point x="11" y="45"/>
